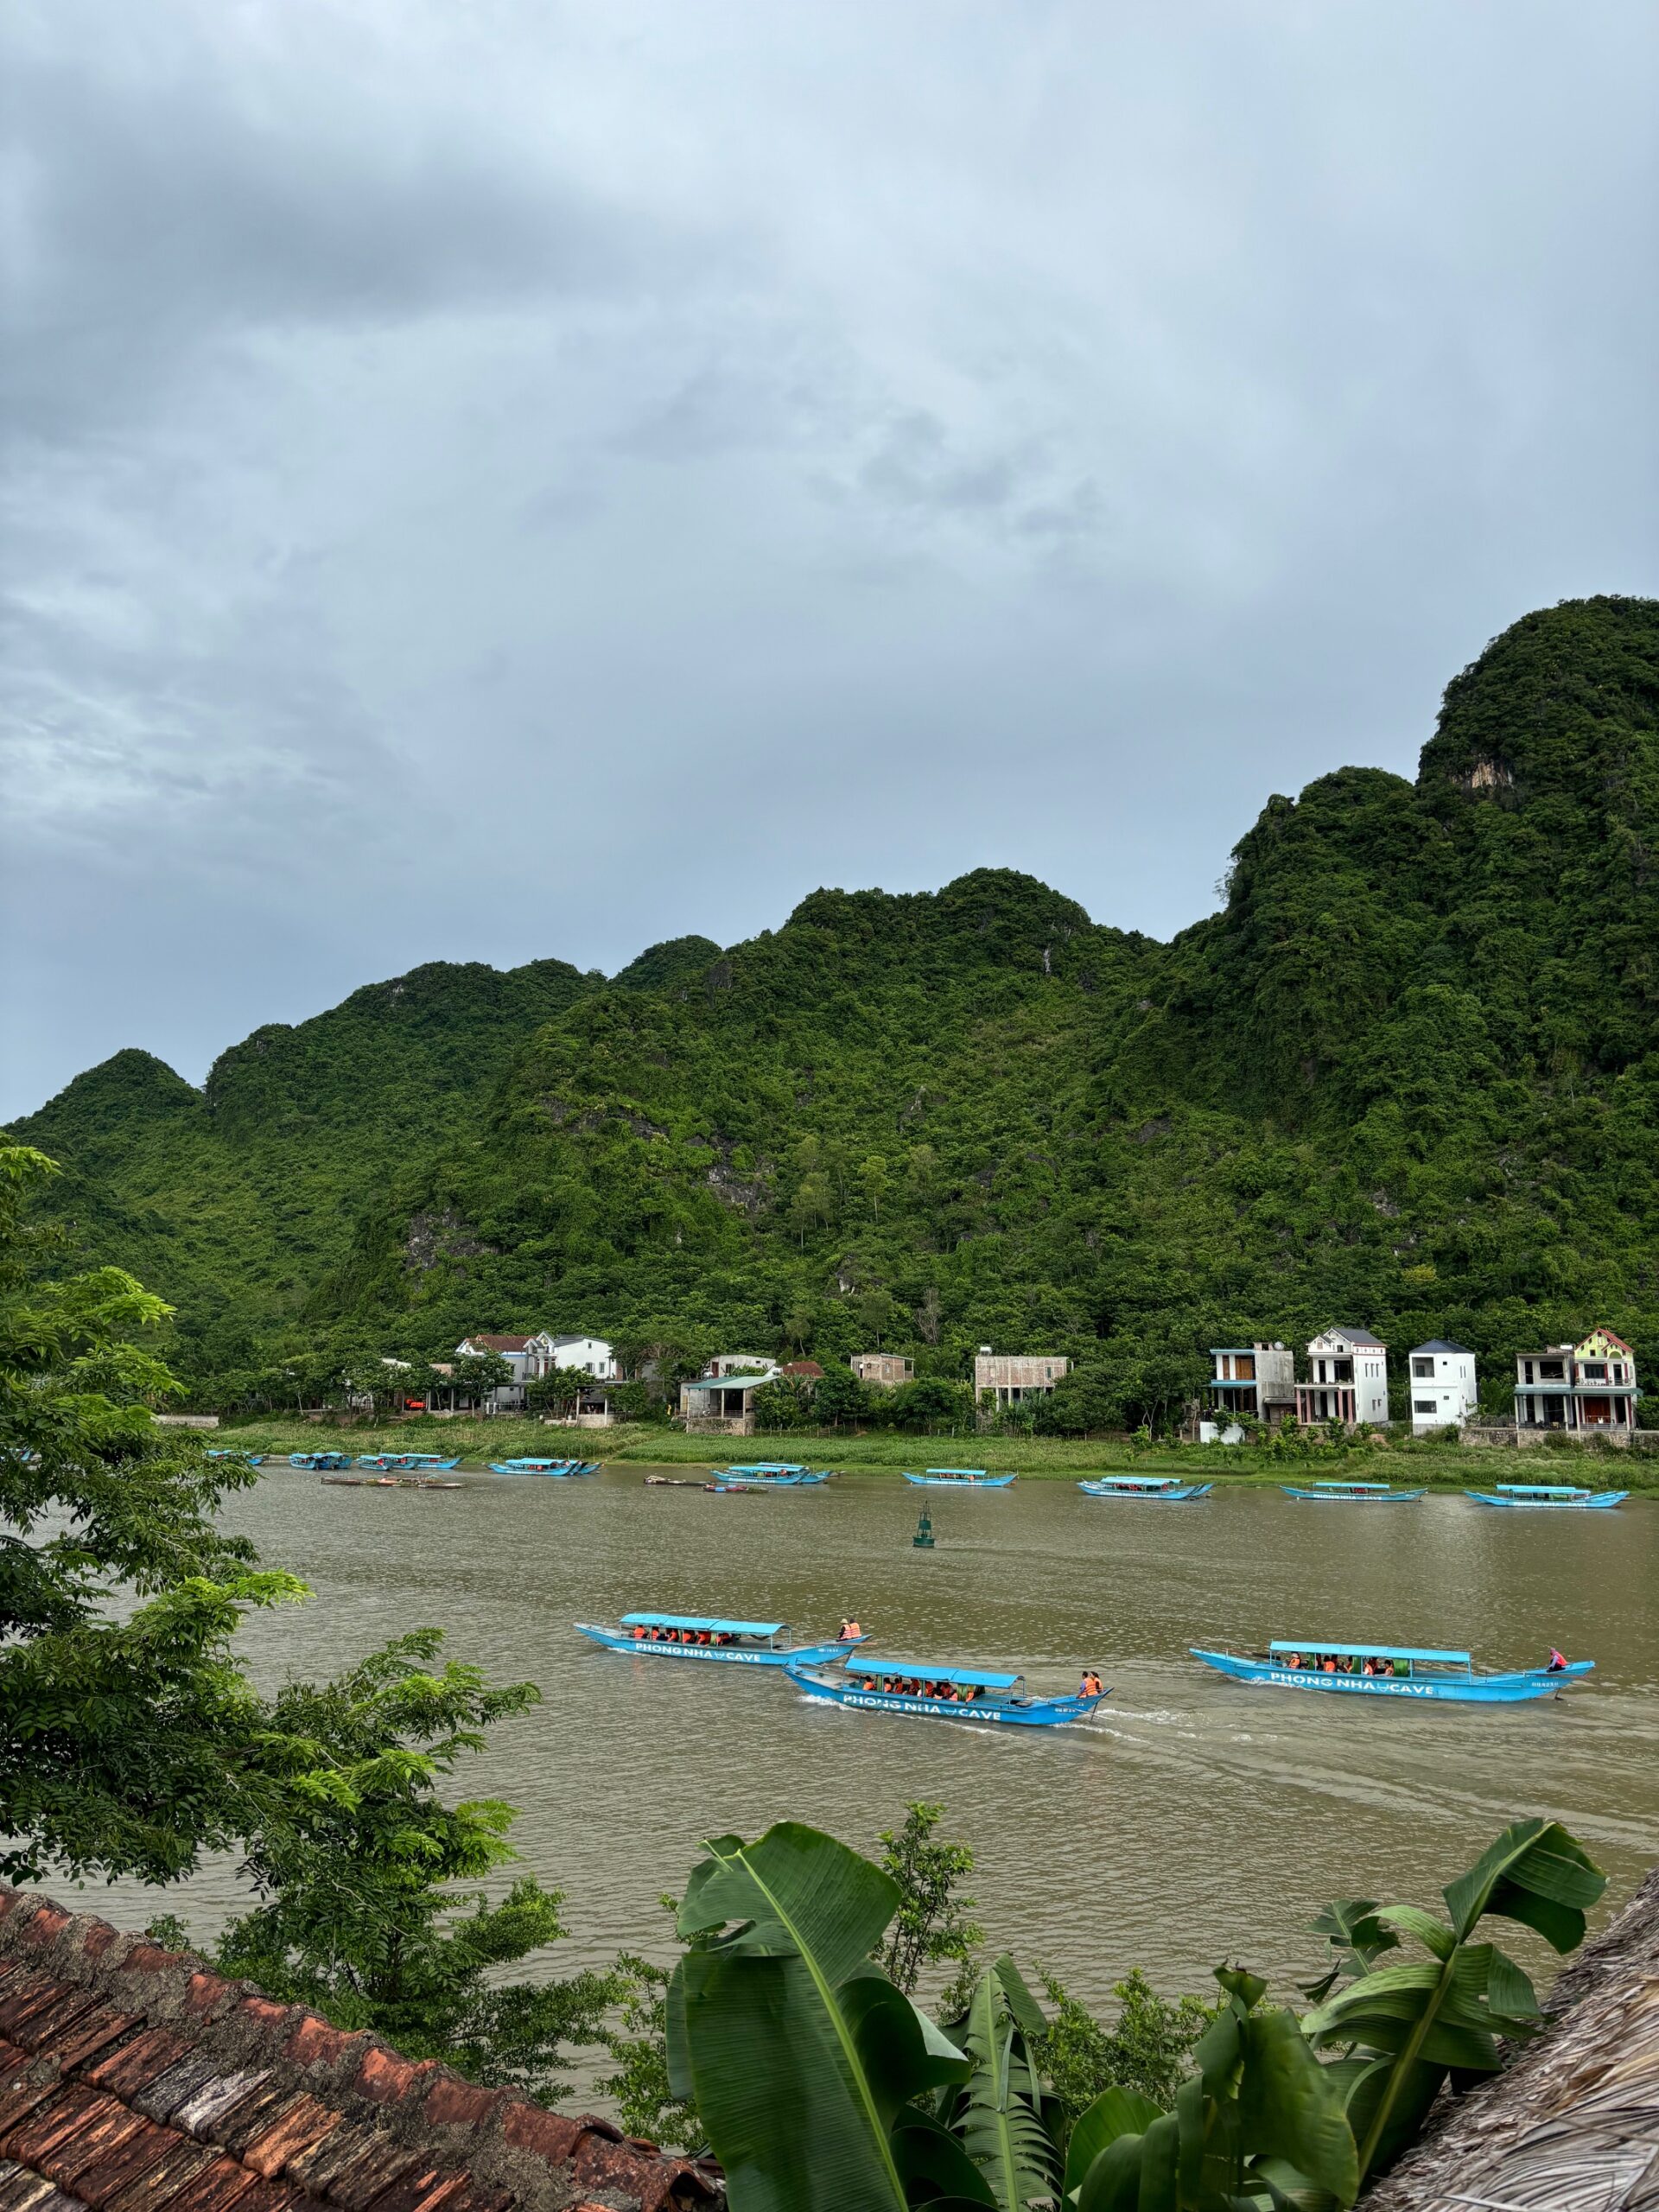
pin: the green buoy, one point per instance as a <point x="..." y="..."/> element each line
<point x="922" y="1539"/>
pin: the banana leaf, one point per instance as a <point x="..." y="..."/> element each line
<point x="998" y="2117"/>
<point x="1411" y="2024"/>
<point x="1357" y="1936"/>
<point x="799" y="2053"/>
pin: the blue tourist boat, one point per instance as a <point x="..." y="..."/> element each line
<point x="768" y="1474"/>
<point x="426" y="1463"/>
<point x="678" y="1636"/>
<point x="934" y="1692"/>
<point x="959" y="1478"/>
<point x="1330" y="1489"/>
<point x="248" y="1459"/>
<point x="1399" y="1670"/>
<point x="544" y="1467"/>
<point x="320" y="1462"/>
<point x="1160" y="1490"/>
<point x="1553" y="1495"/>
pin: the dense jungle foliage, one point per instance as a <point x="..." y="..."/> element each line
<point x="1406" y="1076"/>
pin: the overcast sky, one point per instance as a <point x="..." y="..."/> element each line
<point x="488" y="478"/>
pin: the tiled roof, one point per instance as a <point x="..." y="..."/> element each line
<point x="807" y="1370"/>
<point x="500" y="1343"/>
<point x="134" y="2080"/>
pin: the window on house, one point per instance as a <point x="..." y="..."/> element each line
<point x="1550" y="1370"/>
<point x="1594" y="1370"/>
<point x="1424" y="1406"/>
<point x="1423" y="1369"/>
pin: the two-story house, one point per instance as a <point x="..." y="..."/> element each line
<point x="1578" y="1388"/>
<point x="886" y="1370"/>
<point x="519" y="1356"/>
<point x="1443" y="1389"/>
<point x="1016" y="1378"/>
<point x="594" y="1353"/>
<point x="1347" y="1379"/>
<point x="1258" y="1381"/>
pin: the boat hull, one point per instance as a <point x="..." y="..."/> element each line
<point x="766" y="1482"/>
<point x="1470" y="1689"/>
<point x="1353" y="1498"/>
<point x="1039" y="1713"/>
<point x="948" y="1482"/>
<point x="643" y="1647"/>
<point x="1602" y="1501"/>
<point x="548" y="1474"/>
<point x="1188" y="1494"/>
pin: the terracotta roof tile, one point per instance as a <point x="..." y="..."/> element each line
<point x="133" y="2079"/>
<point x="127" y="2070"/>
<point x="179" y="2162"/>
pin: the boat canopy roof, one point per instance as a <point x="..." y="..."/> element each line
<point x="702" y="1620"/>
<point x="923" y="1670"/>
<point x="956" y="1470"/>
<point x="1138" y="1481"/>
<point x="1337" y="1482"/>
<point x="1541" y="1489"/>
<point x="1375" y="1652"/>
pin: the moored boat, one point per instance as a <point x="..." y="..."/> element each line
<point x="392" y="1482"/>
<point x="407" y="1462"/>
<point x="1163" y="1489"/>
<point x="248" y="1459"/>
<point x="544" y="1467"/>
<point x="1396" y="1670"/>
<point x="959" y="1478"/>
<point x="935" y="1692"/>
<point x="768" y="1474"/>
<point x="1551" y="1494"/>
<point x="1330" y="1490"/>
<point x="694" y="1636"/>
<point x="320" y="1462"/>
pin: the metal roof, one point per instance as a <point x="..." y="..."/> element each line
<point x="1354" y="1336"/>
<point x="1375" y="1652"/>
<point x="703" y="1621"/>
<point x="925" y="1671"/>
<point x="729" y="1381"/>
<point x="1442" y="1344"/>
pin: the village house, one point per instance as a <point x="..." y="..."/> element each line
<point x="1443" y="1391"/>
<point x="517" y="1352"/>
<point x="884" y="1369"/>
<point x="1347" y="1380"/>
<point x="721" y="1401"/>
<point x="1257" y="1381"/>
<point x="594" y="1353"/>
<point x="1587" y="1388"/>
<point x="1016" y="1378"/>
<point x="800" y="1371"/>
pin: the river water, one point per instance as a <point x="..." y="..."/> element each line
<point x="1194" y="1819"/>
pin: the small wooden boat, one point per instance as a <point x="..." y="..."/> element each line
<point x="934" y="1692"/>
<point x="767" y="1474"/>
<point x="959" y="1478"/>
<point x="1162" y="1490"/>
<point x="558" y="1467"/>
<point x="1330" y="1489"/>
<point x="248" y="1459"/>
<point x="1399" y="1670"/>
<point x="407" y="1462"/>
<point x="319" y="1463"/>
<point x="1555" y="1496"/>
<point x="392" y="1482"/>
<point x="691" y="1636"/>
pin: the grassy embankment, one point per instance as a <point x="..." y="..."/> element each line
<point x="1443" y="1466"/>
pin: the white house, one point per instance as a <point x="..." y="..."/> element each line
<point x="517" y="1352"/>
<point x="1347" y="1379"/>
<point x="592" y="1352"/>
<point x="1443" y="1392"/>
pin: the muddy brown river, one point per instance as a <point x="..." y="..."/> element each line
<point x="1193" y="1819"/>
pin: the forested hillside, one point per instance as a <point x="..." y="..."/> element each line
<point x="1408" y="1076"/>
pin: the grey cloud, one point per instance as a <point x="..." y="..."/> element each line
<point x="616" y="470"/>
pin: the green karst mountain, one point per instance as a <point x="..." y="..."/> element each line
<point x="1407" y="1076"/>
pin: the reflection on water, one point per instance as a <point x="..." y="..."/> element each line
<point x="1191" y="1819"/>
